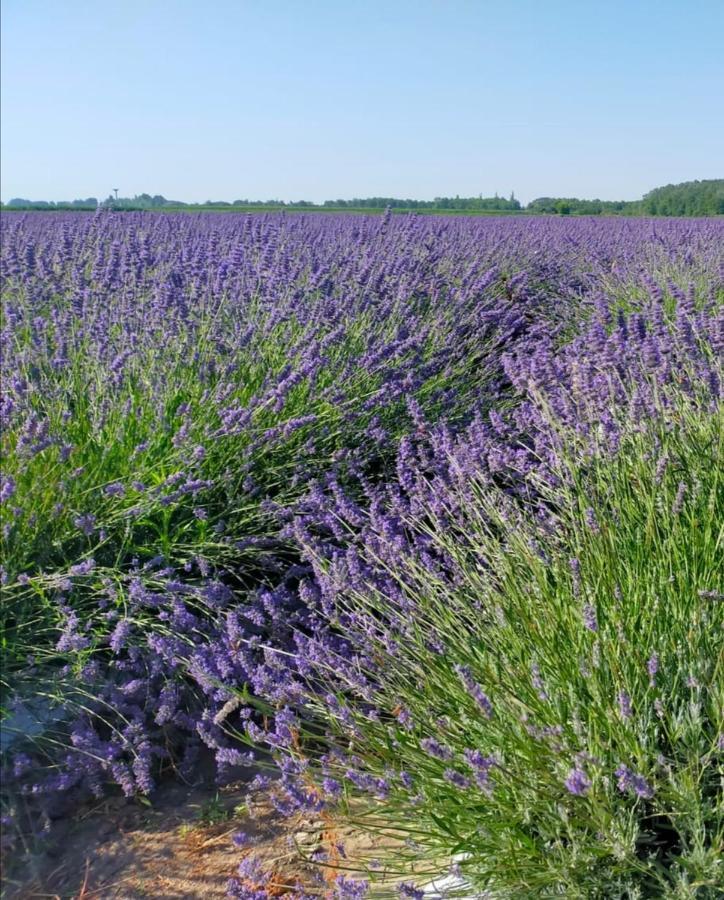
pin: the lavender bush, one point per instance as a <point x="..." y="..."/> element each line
<point x="428" y="507"/>
<point x="524" y="671"/>
<point x="165" y="379"/>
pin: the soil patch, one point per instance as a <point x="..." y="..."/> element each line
<point x="177" y="845"/>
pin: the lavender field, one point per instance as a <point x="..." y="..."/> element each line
<point x="420" y="518"/>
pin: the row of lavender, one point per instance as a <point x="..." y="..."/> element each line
<point x="316" y="484"/>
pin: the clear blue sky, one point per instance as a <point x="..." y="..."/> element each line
<point x="317" y="99"/>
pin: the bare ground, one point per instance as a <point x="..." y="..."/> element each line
<point x="178" y="846"/>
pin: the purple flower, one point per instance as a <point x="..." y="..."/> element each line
<point x="120" y="635"/>
<point x="407" y="780"/>
<point x="652" y="667"/>
<point x="456" y="778"/>
<point x="589" y="617"/>
<point x="346" y="888"/>
<point x="481" y="766"/>
<point x="591" y="521"/>
<point x="678" y="503"/>
<point x="474" y="689"/>
<point x="577" y="782"/>
<point x="83" y="568"/>
<point x="436" y="749"/>
<point x="409" y="891"/>
<point x="576" y="575"/>
<point x="7" y="487"/>
<point x="86" y="523"/>
<point x="624" y="705"/>
<point x="331" y="787"/>
<point x="629" y="781"/>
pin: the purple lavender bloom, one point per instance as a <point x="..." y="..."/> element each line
<point x="252" y="869"/>
<point x="652" y="667"/>
<point x="71" y="638"/>
<point x="456" y="778"/>
<point x="7" y="487"/>
<point x="331" y="787"/>
<point x="481" y="766"/>
<point x="86" y="523"/>
<point x="589" y="617"/>
<point x="346" y="888"/>
<point x="591" y="521"/>
<point x="436" y="749"/>
<point x="632" y="782"/>
<point x="474" y="689"/>
<point x="577" y="782"/>
<point x="678" y="503"/>
<point x="624" y="705"/>
<point x="409" y="891"/>
<point x="576" y="575"/>
<point x="229" y="756"/>
<point x="21" y="764"/>
<point x="83" y="568"/>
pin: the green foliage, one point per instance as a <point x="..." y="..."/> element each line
<point x="574" y="206"/>
<point x="692" y="198"/>
<point x="490" y="204"/>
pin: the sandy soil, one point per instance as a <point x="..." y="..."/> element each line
<point x="178" y="846"/>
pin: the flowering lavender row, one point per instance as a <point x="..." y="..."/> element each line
<point x="516" y="629"/>
<point x="295" y="482"/>
<point x="167" y="376"/>
<point x="164" y="378"/>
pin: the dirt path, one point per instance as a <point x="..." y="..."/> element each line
<point x="178" y="847"/>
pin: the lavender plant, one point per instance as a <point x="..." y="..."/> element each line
<point x="165" y="381"/>
<point x="527" y="682"/>
<point x="430" y="508"/>
<point x="170" y="382"/>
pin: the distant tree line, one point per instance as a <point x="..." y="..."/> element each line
<point x="572" y="206"/>
<point x="692" y="198"/>
<point x="484" y="203"/>
<point x="19" y="203"/>
<point x="146" y="201"/>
